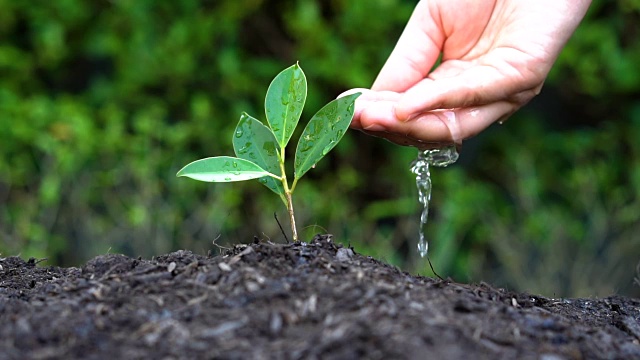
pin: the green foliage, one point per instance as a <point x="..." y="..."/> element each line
<point x="604" y="50"/>
<point x="223" y="169"/>
<point x="284" y="103"/>
<point x="255" y="143"/>
<point x="323" y="132"/>
<point x="101" y="103"/>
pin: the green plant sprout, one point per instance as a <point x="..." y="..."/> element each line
<point x="260" y="149"/>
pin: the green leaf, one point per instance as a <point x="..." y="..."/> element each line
<point x="323" y="132"/>
<point x="284" y="102"/>
<point x="222" y="169"/>
<point x="255" y="142"/>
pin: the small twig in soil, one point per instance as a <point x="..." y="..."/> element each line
<point x="316" y="226"/>
<point x="275" y="215"/>
<point x="268" y="239"/>
<point x="432" y="269"/>
<point x="220" y="247"/>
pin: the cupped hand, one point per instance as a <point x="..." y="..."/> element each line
<point x="495" y="58"/>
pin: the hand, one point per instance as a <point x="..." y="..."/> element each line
<point x="496" y="55"/>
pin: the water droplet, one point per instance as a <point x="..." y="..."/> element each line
<point x="285" y="99"/>
<point x="227" y="179"/>
<point x="306" y="146"/>
<point x="327" y="148"/>
<point x="235" y="164"/>
<point x="239" y="132"/>
<point x="245" y="148"/>
<point x="270" y="148"/>
<point x="423" y="247"/>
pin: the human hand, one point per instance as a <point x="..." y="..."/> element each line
<point x="495" y="58"/>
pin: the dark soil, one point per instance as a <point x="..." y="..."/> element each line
<point x="291" y="301"/>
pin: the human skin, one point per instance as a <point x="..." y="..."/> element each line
<point x="495" y="58"/>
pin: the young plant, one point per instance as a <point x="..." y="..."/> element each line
<point x="260" y="149"/>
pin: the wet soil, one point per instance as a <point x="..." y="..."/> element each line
<point x="291" y="301"/>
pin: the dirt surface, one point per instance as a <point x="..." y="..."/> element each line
<point x="291" y="301"/>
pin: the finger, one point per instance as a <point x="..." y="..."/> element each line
<point x="474" y="86"/>
<point x="371" y="115"/>
<point x="432" y="127"/>
<point x="405" y="141"/>
<point x="367" y="99"/>
<point x="415" y="53"/>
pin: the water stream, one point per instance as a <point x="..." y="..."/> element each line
<point x="420" y="167"/>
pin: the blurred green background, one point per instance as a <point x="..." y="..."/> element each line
<point x="102" y="102"/>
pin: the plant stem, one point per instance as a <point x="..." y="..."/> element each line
<point x="292" y="217"/>
<point x="289" y="200"/>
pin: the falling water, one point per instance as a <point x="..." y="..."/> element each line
<point x="437" y="157"/>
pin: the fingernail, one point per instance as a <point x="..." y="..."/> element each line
<point x="374" y="127"/>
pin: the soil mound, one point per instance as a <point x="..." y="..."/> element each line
<point x="291" y="301"/>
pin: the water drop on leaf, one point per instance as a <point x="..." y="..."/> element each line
<point x="270" y="148"/>
<point x="327" y="148"/>
<point x="243" y="150"/>
<point x="307" y="146"/>
<point x="285" y="99"/>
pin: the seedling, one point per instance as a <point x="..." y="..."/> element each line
<point x="260" y="149"/>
